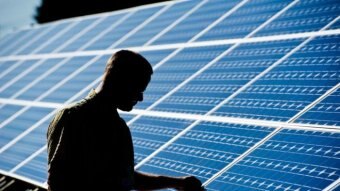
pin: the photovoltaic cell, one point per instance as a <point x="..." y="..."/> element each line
<point x="244" y="20"/>
<point x="81" y="25"/>
<point x="225" y="77"/>
<point x="306" y="16"/>
<point x="158" y="24"/>
<point x="196" y="22"/>
<point x="36" y="169"/>
<point x="205" y="149"/>
<point x="7" y="111"/>
<point x="149" y="133"/>
<point x="58" y="75"/>
<point x="176" y="70"/>
<point x="55" y="29"/>
<point x="78" y="82"/>
<point x="24" y="65"/>
<point x="93" y="30"/>
<point x="29" y="77"/>
<point x="133" y="21"/>
<point x="21" y="123"/>
<point x="24" y="148"/>
<point x="290" y="86"/>
<point x="24" y="40"/>
<point x="327" y="112"/>
<point x="291" y="160"/>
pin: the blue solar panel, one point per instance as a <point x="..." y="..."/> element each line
<point x="36" y="69"/>
<point x="290" y="86"/>
<point x="158" y="24"/>
<point x="134" y="20"/>
<point x="176" y="70"/>
<point x="196" y="22"/>
<point x="327" y="112"/>
<point x="24" y="65"/>
<point x="150" y="133"/>
<point x="55" y="77"/>
<point x="245" y="19"/>
<point x="307" y="15"/>
<point x="81" y="25"/>
<point x="242" y="95"/>
<point x="92" y="30"/>
<point x="205" y="150"/>
<point x="291" y="160"/>
<point x="36" y="169"/>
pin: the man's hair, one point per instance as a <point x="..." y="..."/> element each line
<point x="126" y="65"/>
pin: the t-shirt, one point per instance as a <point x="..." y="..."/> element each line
<point x="89" y="148"/>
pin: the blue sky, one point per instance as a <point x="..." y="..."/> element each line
<point x="15" y="14"/>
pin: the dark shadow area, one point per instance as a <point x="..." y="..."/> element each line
<point x="51" y="10"/>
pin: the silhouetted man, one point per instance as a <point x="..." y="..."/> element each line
<point x="90" y="146"/>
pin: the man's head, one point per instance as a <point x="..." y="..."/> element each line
<point x="126" y="76"/>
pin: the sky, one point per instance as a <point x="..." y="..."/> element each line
<point x="16" y="14"/>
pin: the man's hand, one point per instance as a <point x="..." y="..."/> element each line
<point x="191" y="183"/>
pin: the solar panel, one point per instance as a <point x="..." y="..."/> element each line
<point x="244" y="95"/>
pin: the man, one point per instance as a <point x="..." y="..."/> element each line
<point x="90" y="146"/>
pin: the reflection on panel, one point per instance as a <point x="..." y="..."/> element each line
<point x="291" y="160"/>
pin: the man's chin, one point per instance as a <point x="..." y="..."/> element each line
<point x="125" y="108"/>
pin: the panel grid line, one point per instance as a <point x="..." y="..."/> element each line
<point x="45" y="118"/>
<point x="140" y="26"/>
<point x="268" y="137"/>
<point x="54" y="37"/>
<point x="35" y="81"/>
<point x="228" y="13"/>
<point x="75" y="37"/>
<point x="292" y="119"/>
<point x="333" y="186"/>
<point x="104" y="32"/>
<point x="42" y="96"/>
<point x="34" y="39"/>
<point x="175" y="23"/>
<point x="179" y="45"/>
<point x="36" y="153"/>
<point x="220" y="104"/>
<point x="185" y="116"/>
<point x="22" y="74"/>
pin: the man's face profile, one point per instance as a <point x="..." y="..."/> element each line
<point x="131" y="91"/>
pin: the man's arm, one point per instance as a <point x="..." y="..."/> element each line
<point x="152" y="182"/>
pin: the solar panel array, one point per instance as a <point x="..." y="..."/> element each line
<point x="244" y="95"/>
